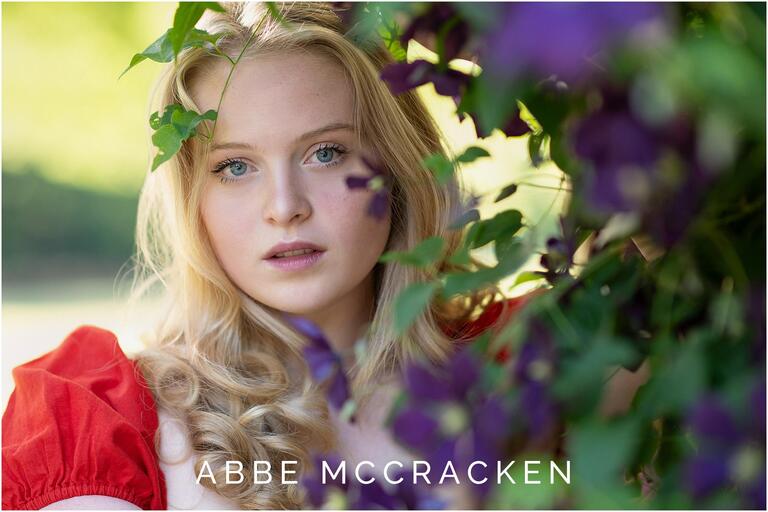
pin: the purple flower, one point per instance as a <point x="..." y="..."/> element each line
<point x="379" y="182"/>
<point x="404" y="76"/>
<point x="537" y="40"/>
<point x="534" y="370"/>
<point x="730" y="450"/>
<point x="434" y="20"/>
<point x="450" y="417"/>
<point x="625" y="172"/>
<point x="623" y="153"/>
<point x="559" y="256"/>
<point x="324" y="364"/>
<point x="369" y="496"/>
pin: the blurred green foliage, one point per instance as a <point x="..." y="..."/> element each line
<point x="53" y="230"/>
<point x="64" y="110"/>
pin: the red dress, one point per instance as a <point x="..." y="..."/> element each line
<point x="82" y="421"/>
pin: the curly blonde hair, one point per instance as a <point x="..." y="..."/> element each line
<point x="236" y="375"/>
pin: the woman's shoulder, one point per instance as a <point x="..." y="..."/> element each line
<point x="85" y="408"/>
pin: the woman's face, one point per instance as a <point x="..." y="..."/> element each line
<point x="282" y="148"/>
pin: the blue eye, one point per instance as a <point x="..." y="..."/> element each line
<point x="325" y="154"/>
<point x="236" y="167"/>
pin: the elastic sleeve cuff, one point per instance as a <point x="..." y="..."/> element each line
<point x="72" y="491"/>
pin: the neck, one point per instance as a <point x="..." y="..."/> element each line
<point x="344" y="322"/>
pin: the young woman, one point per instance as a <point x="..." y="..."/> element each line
<point x="223" y="377"/>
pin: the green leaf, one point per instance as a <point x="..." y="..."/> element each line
<point x="676" y="385"/>
<point x="503" y="225"/>
<point x="410" y="303"/>
<point x="428" y="251"/>
<point x="162" y="50"/>
<point x="471" y="154"/>
<point x="535" y="143"/>
<point x="580" y="380"/>
<point x="184" y="20"/>
<point x="506" y="192"/>
<point x="390" y="33"/>
<point x="526" y="277"/>
<point x="440" y="166"/>
<point x="172" y="128"/>
<point x="546" y="495"/>
<point x="600" y="451"/>
<point x="461" y="256"/>
<point x="168" y="142"/>
<point x="463" y="282"/>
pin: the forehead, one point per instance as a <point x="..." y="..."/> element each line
<point x="275" y="95"/>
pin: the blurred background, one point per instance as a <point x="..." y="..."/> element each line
<point x="75" y="147"/>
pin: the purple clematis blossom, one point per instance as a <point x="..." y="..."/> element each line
<point x="730" y="452"/>
<point x="404" y="76"/>
<point x="324" y="364"/>
<point x="449" y="417"/>
<point x="379" y="182"/>
<point x="370" y="496"/>
<point x="432" y="21"/>
<point x="533" y="370"/>
<point x="537" y="40"/>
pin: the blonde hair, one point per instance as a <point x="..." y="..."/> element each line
<point x="236" y="375"/>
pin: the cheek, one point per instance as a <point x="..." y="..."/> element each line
<point x="360" y="233"/>
<point x="225" y="227"/>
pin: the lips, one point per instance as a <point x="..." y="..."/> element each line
<point x="297" y="252"/>
<point x="288" y="249"/>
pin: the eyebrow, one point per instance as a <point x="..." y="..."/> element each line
<point x="307" y="135"/>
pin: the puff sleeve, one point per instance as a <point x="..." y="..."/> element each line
<point x="80" y="421"/>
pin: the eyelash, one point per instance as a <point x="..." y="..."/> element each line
<point x="229" y="161"/>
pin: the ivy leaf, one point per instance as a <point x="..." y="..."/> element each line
<point x="168" y="142"/>
<point x="184" y="20"/>
<point x="506" y="192"/>
<point x="428" y="251"/>
<point x="411" y="302"/>
<point x="172" y="128"/>
<point x="526" y="277"/>
<point x="471" y="154"/>
<point x="162" y="49"/>
<point x="463" y="282"/>
<point x="503" y="225"/>
<point x="461" y="256"/>
<point x="440" y="166"/>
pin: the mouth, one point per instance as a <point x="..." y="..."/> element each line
<point x="293" y="254"/>
<point x="295" y="260"/>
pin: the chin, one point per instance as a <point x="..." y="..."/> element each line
<point x="295" y="303"/>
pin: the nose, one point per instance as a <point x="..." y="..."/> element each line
<point x="287" y="201"/>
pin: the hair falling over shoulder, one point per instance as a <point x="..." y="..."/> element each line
<point x="235" y="375"/>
